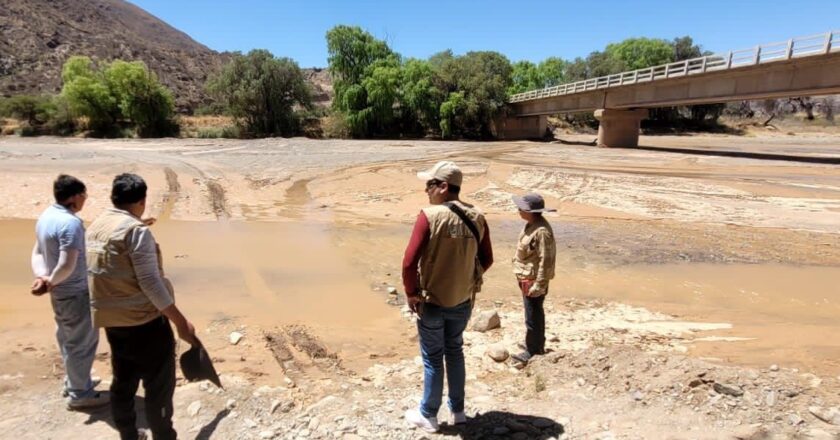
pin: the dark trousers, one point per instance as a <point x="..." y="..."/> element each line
<point x="144" y="352"/>
<point x="535" y="324"/>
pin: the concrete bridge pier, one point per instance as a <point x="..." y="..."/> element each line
<point x="619" y="128"/>
<point x="524" y="127"/>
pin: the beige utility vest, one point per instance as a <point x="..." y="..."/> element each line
<point x="448" y="271"/>
<point x="115" y="295"/>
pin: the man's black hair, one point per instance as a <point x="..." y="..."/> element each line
<point x="127" y="189"/>
<point x="453" y="189"/>
<point x="66" y="186"/>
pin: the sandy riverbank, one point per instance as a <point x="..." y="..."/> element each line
<point x="263" y="236"/>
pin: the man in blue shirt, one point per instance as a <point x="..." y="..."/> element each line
<point x="58" y="261"/>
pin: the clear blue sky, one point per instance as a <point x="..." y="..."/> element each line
<point x="520" y="29"/>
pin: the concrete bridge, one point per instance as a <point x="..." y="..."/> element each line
<point x="798" y="67"/>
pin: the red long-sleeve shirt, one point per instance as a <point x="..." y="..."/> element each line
<point x="417" y="244"/>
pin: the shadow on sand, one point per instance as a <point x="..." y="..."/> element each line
<point x="103" y="415"/>
<point x="504" y="425"/>
<point x="745" y="154"/>
<point x="583" y="143"/>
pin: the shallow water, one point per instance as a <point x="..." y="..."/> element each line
<point x="265" y="274"/>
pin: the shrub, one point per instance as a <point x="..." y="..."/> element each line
<point x="263" y="93"/>
<point x="335" y="126"/>
<point x="209" y="133"/>
<point x="27" y="130"/>
<point x="34" y="110"/>
<point x="118" y="95"/>
<point x="228" y="132"/>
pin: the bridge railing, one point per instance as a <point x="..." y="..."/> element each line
<point x="766" y="53"/>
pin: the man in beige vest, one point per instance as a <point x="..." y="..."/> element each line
<point x="133" y="301"/>
<point x="446" y="256"/>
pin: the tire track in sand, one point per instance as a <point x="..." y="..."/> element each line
<point x="172" y="193"/>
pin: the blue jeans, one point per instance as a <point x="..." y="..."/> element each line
<point x="441" y="332"/>
<point x="77" y="341"/>
<point x="534" y="324"/>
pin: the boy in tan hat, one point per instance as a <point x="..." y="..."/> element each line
<point x="533" y="266"/>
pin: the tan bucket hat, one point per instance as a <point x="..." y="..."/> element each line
<point x="445" y="171"/>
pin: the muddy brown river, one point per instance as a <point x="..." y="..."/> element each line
<point x="285" y="231"/>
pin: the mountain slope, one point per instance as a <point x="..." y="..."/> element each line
<point x="37" y="36"/>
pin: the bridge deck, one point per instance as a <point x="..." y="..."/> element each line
<point x="799" y="66"/>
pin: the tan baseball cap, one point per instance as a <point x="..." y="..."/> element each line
<point x="445" y="171"/>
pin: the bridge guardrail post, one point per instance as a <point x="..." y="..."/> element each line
<point x="827" y="47"/>
<point x="789" y="50"/>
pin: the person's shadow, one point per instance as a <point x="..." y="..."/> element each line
<point x="103" y="414"/>
<point x="504" y="425"/>
<point x="208" y="429"/>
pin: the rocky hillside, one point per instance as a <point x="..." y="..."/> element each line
<point x="37" y="36"/>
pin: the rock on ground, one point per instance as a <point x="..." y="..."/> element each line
<point x="487" y="320"/>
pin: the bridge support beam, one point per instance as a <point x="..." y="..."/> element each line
<point x="619" y="128"/>
<point x="526" y="127"/>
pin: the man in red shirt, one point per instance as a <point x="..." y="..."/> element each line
<point x="443" y="264"/>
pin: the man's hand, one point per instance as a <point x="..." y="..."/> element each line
<point x="186" y="331"/>
<point x="149" y="221"/>
<point x="413" y="301"/>
<point x="525" y="287"/>
<point x="534" y="290"/>
<point x="40" y="286"/>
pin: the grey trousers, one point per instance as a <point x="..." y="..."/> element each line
<point x="77" y="341"/>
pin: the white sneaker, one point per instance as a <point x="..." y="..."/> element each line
<point x="98" y="399"/>
<point x="459" y="418"/>
<point x="416" y="418"/>
<point x="94" y="380"/>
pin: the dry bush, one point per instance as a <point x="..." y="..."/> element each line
<point x="334" y="126"/>
<point x="201" y="126"/>
<point x="9" y="126"/>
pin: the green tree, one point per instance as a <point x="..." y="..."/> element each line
<point x="528" y="76"/>
<point x="552" y="71"/>
<point x="452" y="113"/>
<point x="483" y="78"/>
<point x="141" y="98"/>
<point x="351" y="51"/>
<point x="577" y="70"/>
<point x="639" y="53"/>
<point x="113" y="94"/>
<point x="685" y="49"/>
<point x="525" y="76"/>
<point x="381" y="85"/>
<point x="421" y="98"/>
<point x="366" y="77"/>
<point x="263" y="93"/>
<point x="88" y="94"/>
